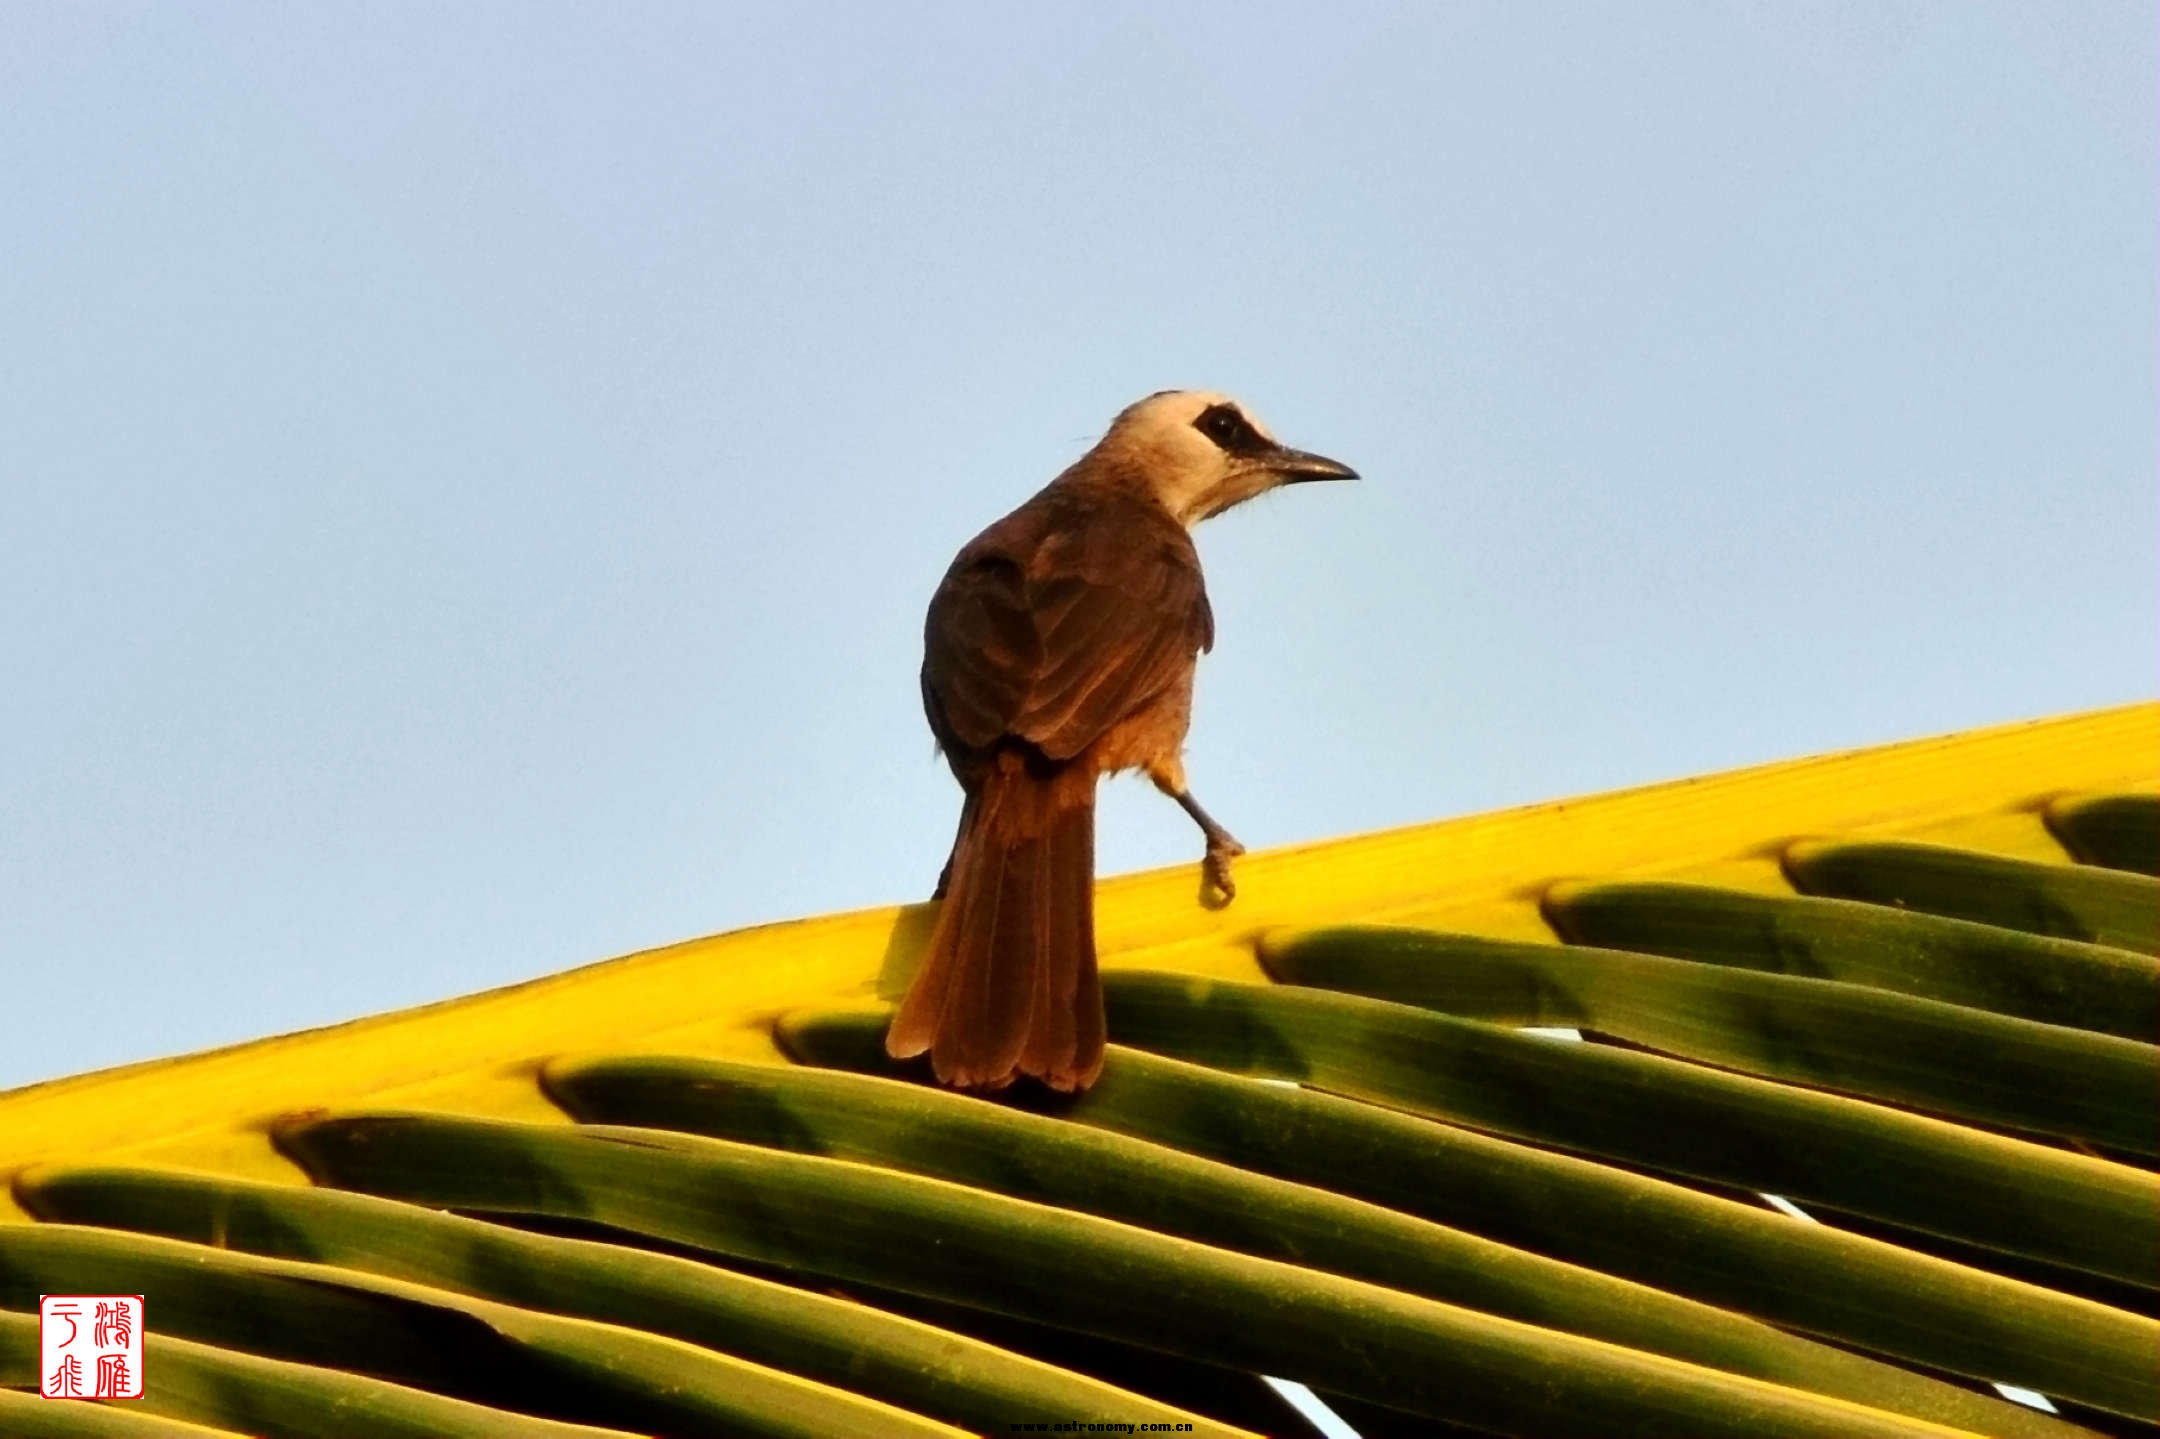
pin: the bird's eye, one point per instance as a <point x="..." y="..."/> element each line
<point x="1230" y="430"/>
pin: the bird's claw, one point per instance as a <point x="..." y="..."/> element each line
<point x="1216" y="868"/>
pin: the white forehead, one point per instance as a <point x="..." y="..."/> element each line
<point x="1174" y="410"/>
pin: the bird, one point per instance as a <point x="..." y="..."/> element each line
<point x="1060" y="647"/>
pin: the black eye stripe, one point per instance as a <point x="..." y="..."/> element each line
<point x="1232" y="433"/>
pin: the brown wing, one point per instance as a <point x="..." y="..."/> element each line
<point x="1059" y="621"/>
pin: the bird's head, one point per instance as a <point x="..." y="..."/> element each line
<point x="1199" y="453"/>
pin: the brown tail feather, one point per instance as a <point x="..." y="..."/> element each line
<point x="1008" y="984"/>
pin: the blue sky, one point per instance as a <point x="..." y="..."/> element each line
<point x="470" y="476"/>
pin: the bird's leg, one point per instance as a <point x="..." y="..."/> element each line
<point x="1222" y="846"/>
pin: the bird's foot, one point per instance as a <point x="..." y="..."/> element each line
<point x="1215" y="869"/>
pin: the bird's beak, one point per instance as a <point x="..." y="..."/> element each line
<point x="1296" y="466"/>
